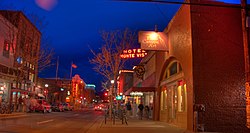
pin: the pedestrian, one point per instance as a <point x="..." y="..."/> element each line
<point x="20" y="104"/>
<point x="146" y="110"/>
<point x="134" y="109"/>
<point x="24" y="104"/>
<point x="27" y="103"/>
<point x="140" y="113"/>
<point x="128" y="108"/>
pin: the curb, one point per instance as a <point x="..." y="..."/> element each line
<point x="11" y="116"/>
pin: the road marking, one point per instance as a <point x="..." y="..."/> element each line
<point x="42" y="122"/>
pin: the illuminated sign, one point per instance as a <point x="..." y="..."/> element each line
<point x="151" y="40"/>
<point x="133" y="53"/>
<point x="118" y="97"/>
<point x="136" y="93"/>
<point x="90" y="85"/>
<point x="125" y="71"/>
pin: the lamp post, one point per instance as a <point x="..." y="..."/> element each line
<point x="111" y="98"/>
<point x="46" y="91"/>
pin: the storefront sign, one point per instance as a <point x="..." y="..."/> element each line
<point x="139" y="71"/>
<point x="151" y="40"/>
<point x="133" y="53"/>
<point x="118" y="97"/>
<point x="136" y="93"/>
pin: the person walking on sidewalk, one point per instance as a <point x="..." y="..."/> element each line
<point x="146" y="110"/>
<point x="140" y="107"/>
<point x="20" y="104"/>
<point x="128" y="108"/>
<point x="134" y="109"/>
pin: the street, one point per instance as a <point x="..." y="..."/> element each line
<point x="66" y="122"/>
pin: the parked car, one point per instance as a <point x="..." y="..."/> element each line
<point x="57" y="107"/>
<point x="67" y="107"/>
<point x="41" y="105"/>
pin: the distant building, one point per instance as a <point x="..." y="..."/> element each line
<point x="55" y="90"/>
<point x="89" y="93"/>
<point x="77" y="92"/>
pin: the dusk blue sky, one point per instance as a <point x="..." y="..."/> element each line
<point x="74" y="25"/>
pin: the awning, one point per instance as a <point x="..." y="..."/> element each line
<point x="140" y="89"/>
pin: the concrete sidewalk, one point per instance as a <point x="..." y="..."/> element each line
<point x="134" y="126"/>
<point x="13" y="115"/>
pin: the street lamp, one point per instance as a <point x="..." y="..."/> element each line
<point x="46" y="91"/>
<point x="111" y="98"/>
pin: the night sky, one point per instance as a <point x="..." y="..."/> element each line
<point x="74" y="25"/>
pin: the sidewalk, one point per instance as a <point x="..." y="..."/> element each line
<point x="134" y="126"/>
<point x="12" y="115"/>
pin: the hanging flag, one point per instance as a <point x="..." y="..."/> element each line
<point x="74" y="65"/>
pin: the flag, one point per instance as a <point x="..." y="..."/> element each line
<point x="73" y="65"/>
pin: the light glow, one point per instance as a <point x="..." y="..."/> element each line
<point x="153" y="36"/>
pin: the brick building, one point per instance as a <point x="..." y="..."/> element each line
<point x="55" y="90"/>
<point x="25" y="55"/>
<point x="7" y="69"/>
<point x="200" y="78"/>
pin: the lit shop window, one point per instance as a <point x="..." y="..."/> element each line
<point x="181" y="97"/>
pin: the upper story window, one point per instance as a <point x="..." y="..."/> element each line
<point x="6" y="49"/>
<point x="172" y="69"/>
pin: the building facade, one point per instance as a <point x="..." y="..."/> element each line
<point x="77" y="92"/>
<point x="7" y="70"/>
<point x="199" y="80"/>
<point x="54" y="90"/>
<point x="89" y="94"/>
<point x="26" y="54"/>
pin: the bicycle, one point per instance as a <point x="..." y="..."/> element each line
<point x="5" y="108"/>
<point x="124" y="117"/>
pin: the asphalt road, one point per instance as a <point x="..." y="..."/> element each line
<point x="55" y="122"/>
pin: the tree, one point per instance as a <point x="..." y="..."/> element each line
<point x="46" y="51"/>
<point x="107" y="61"/>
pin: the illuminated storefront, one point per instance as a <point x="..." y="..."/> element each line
<point x="4" y="91"/>
<point x="173" y="105"/>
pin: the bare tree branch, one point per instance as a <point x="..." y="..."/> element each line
<point x="107" y="61"/>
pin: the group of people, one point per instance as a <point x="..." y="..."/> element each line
<point x="140" y="110"/>
<point x="24" y="104"/>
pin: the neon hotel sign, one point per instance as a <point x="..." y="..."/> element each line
<point x="133" y="53"/>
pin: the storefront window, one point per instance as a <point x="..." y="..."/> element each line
<point x="164" y="99"/>
<point x="182" y="97"/>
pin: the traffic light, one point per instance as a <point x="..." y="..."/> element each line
<point x="106" y="94"/>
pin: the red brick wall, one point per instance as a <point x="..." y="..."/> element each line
<point x="218" y="68"/>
